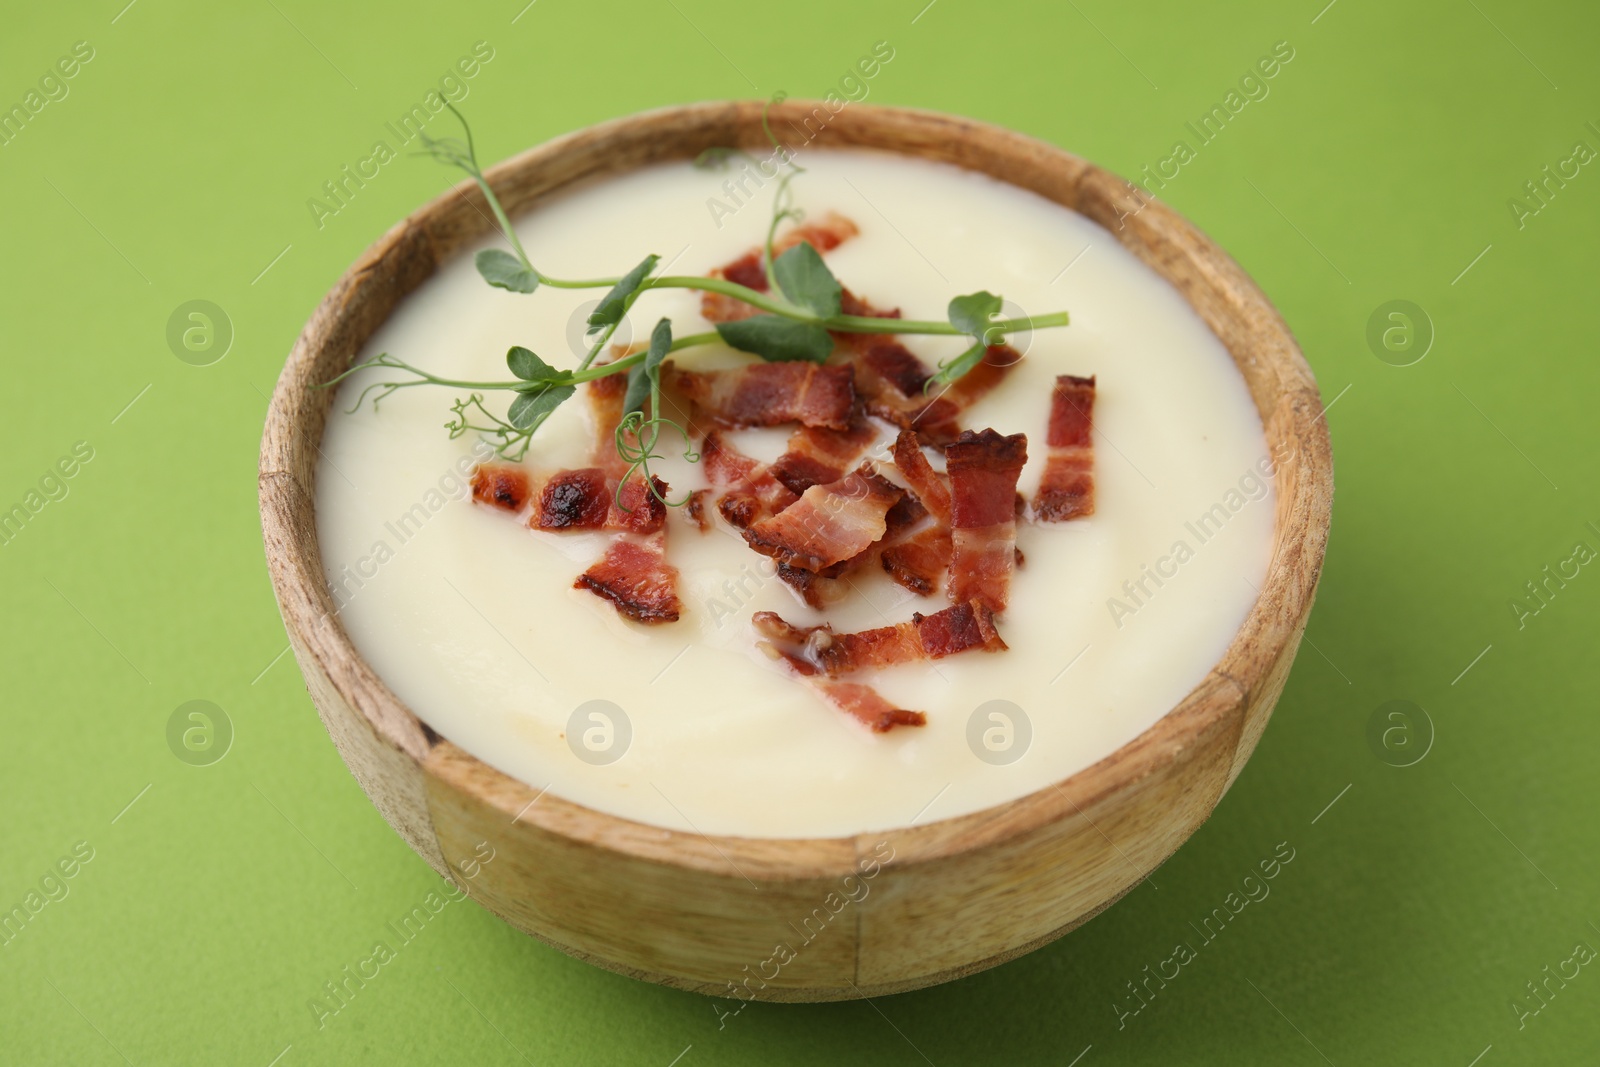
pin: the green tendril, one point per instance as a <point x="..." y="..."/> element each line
<point x="637" y="451"/>
<point x="509" y="442"/>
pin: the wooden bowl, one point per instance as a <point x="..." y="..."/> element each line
<point x="728" y="915"/>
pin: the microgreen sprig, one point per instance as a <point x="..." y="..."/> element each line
<point x="799" y="314"/>
<point x="642" y="423"/>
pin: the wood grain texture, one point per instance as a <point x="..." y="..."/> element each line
<point x="820" y="919"/>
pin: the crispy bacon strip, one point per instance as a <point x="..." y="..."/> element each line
<point x="817" y="455"/>
<point x="696" y="509"/>
<point x="981" y="563"/>
<point x="587" y="499"/>
<point x="916" y="555"/>
<point x="983" y="468"/>
<point x="824" y="235"/>
<point x="829" y="523"/>
<point x="864" y="704"/>
<point x="1066" y="491"/>
<point x="919" y="562"/>
<point x="914" y="548"/>
<point x="860" y="702"/>
<point x="767" y="394"/>
<point x="572" y="500"/>
<point x="944" y="633"/>
<point x="929" y="487"/>
<point x="817" y="590"/>
<point x="983" y="471"/>
<point x="754" y="493"/>
<point x="641" y="510"/>
<point x="756" y="490"/>
<point x="501" y="485"/>
<point x="902" y="517"/>
<point x="724" y="464"/>
<point x="636" y="578"/>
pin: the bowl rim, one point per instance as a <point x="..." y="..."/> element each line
<point x="1280" y="380"/>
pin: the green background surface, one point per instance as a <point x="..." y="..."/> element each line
<point x="220" y="898"/>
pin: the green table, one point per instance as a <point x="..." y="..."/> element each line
<point x="1444" y="848"/>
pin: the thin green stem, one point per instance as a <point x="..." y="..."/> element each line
<point x="601" y="341"/>
<point x="578" y="283"/>
<point x="386" y="360"/>
<point x="605" y="370"/>
<point x="690" y="340"/>
<point x="505" y="223"/>
<point x="589" y="374"/>
<point x="576" y="377"/>
<point x="868" y="324"/>
<point x="739" y="292"/>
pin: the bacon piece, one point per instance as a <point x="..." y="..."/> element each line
<point x="638" y="508"/>
<point x="767" y="394"/>
<point x="919" y="562"/>
<point x="860" y="702"/>
<point x="696" y="509"/>
<point x="919" y="474"/>
<point x="501" y="485"/>
<point x="817" y="590"/>
<point x="917" y="554"/>
<point x="753" y="491"/>
<point x="890" y="375"/>
<point x="906" y="513"/>
<point x="1066" y="491"/>
<point x="816" y="455"/>
<point x="983" y="470"/>
<point x="746" y="271"/>
<point x="724" y="464"/>
<point x="586" y="499"/>
<point x="864" y="704"/>
<point x="636" y="578"/>
<point x="824" y="235"/>
<point x="906" y="519"/>
<point x="881" y="361"/>
<point x="944" y="633"/>
<point x="983" y="490"/>
<point x="829" y="523"/>
<point x="740" y="509"/>
<point x="821" y="588"/>
<point x="573" y="500"/>
<point x="981" y="563"/>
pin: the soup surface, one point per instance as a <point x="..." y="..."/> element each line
<point x="472" y="619"/>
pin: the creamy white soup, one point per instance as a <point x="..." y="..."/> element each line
<point x="473" y="620"/>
